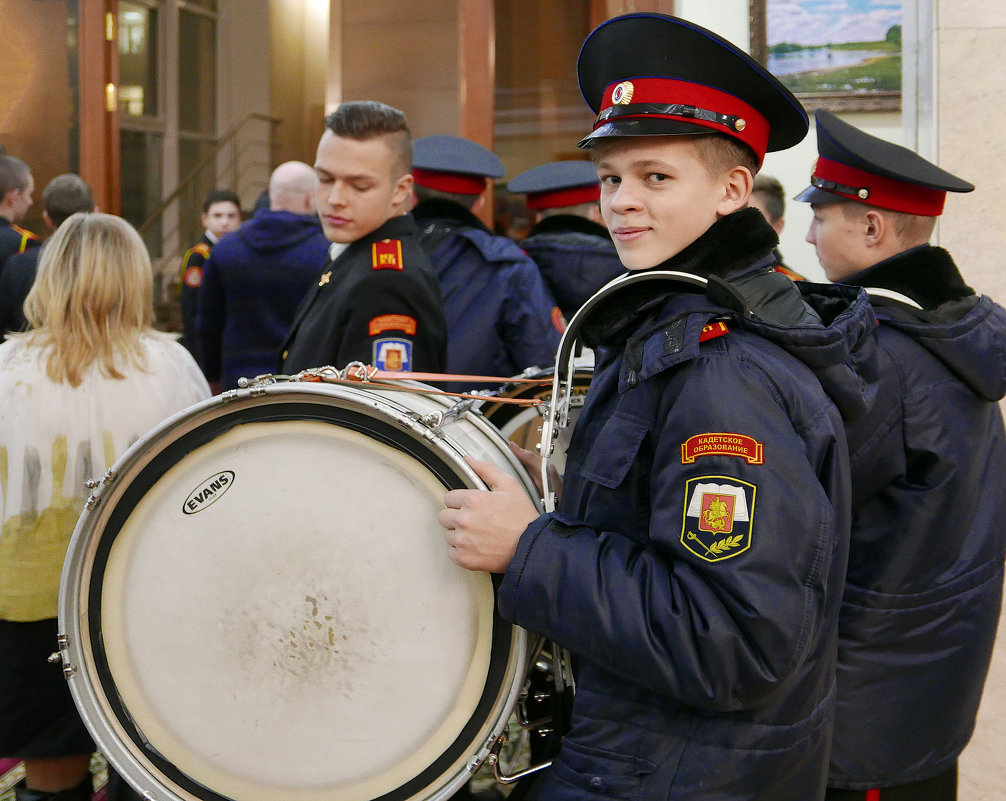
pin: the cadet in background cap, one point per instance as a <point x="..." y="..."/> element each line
<point x="501" y="316"/>
<point x="929" y="467"/>
<point x="568" y="242"/>
<point x="696" y="577"/>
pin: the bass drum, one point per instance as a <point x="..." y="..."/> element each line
<point x="521" y="424"/>
<point x="258" y="604"/>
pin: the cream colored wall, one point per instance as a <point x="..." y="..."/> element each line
<point x="404" y="53"/>
<point x="971" y="93"/>
<point x="243" y="82"/>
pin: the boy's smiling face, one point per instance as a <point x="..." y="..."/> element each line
<point x="658" y="196"/>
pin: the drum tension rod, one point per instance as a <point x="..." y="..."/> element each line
<point x="510" y="778"/>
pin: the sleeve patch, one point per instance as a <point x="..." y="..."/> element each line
<point x="558" y="320"/>
<point x="392" y="322"/>
<point x="387" y="255"/>
<point x="194" y="277"/>
<point x="718" y="520"/>
<point x="392" y="354"/>
<point x="747" y="448"/>
<point x="713" y="330"/>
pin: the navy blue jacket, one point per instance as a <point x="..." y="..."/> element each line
<point x="501" y="318"/>
<point x="928" y="536"/>
<point x="697" y="565"/>
<point x="576" y="257"/>
<point x="252" y="284"/>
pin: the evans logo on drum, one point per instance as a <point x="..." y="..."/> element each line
<point x="207" y="492"/>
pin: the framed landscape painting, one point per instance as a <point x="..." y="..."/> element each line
<point x="843" y="55"/>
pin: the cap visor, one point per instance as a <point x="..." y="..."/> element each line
<point x="640" y="127"/>
<point x="814" y="195"/>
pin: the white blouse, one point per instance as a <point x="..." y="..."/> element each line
<point x="53" y="437"/>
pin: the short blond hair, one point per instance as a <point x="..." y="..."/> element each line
<point x="910" y="229"/>
<point x="92" y="298"/>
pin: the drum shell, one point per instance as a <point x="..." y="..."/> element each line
<point x="412" y="415"/>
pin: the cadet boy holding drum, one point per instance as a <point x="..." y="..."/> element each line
<point x="696" y="566"/>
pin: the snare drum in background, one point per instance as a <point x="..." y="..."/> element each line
<point x="258" y="603"/>
<point x="520" y="424"/>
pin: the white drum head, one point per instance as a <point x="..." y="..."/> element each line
<point x="278" y="619"/>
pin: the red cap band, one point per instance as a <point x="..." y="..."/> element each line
<point x="564" y="197"/>
<point x="754" y="127"/>
<point x="885" y="193"/>
<point x="449" y="182"/>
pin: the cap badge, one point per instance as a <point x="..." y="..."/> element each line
<point x="622" y="95"/>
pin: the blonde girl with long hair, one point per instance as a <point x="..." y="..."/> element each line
<point x="89" y="379"/>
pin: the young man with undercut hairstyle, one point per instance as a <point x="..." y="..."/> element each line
<point x="924" y="585"/>
<point x="377" y="299"/>
<point x="696" y="562"/>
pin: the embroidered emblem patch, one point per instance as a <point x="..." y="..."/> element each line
<point x="392" y="354"/>
<point x="387" y="255"/>
<point x="194" y="277"/>
<point x="392" y="322"/>
<point x="719" y="516"/>
<point x="748" y="448"/>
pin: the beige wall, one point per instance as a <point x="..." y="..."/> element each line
<point x="403" y="53"/>
<point x="971" y="92"/>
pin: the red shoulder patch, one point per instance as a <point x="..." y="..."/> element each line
<point x="387" y="255"/>
<point x="713" y="330"/>
<point x="202" y="249"/>
<point x="723" y="444"/>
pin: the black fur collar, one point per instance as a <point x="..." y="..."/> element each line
<point x="448" y="211"/>
<point x="927" y="274"/>
<point x="568" y="224"/>
<point x="731" y="244"/>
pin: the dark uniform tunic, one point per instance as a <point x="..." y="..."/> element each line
<point x="14" y="239"/>
<point x="501" y="317"/>
<point x="16" y="281"/>
<point x="697" y="565"/>
<point x="576" y="257"/>
<point x="378" y="303"/>
<point x="928" y="536"/>
<point x="193" y="263"/>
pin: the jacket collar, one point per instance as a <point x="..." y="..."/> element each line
<point x="926" y="274"/>
<point x="442" y="210"/>
<point x="731" y="245"/>
<point x="568" y="224"/>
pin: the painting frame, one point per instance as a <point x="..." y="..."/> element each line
<point x="840" y="101"/>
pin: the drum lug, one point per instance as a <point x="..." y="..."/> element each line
<point x="69" y="669"/>
<point x="96" y="484"/>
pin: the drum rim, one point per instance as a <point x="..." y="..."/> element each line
<point x="149" y="458"/>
